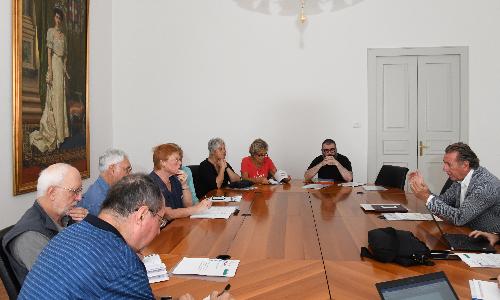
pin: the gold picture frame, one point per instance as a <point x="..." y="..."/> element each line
<point x="49" y="87"/>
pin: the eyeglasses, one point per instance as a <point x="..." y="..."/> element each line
<point x="75" y="192"/>
<point x="261" y="154"/>
<point x="332" y="150"/>
<point x="163" y="221"/>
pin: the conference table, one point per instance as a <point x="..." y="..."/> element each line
<point x="295" y="243"/>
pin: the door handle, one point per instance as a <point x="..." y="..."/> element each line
<point x="421" y="147"/>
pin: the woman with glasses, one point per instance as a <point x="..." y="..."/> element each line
<point x="258" y="167"/>
<point x="172" y="181"/>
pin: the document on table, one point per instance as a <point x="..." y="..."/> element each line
<point x="374" y="188"/>
<point x="408" y="217"/>
<point x="206" y="267"/>
<point x="226" y="199"/>
<point x="351" y="184"/>
<point x="484" y="290"/>
<point x="314" y="186"/>
<point x="155" y="268"/>
<point x="216" y="212"/>
<point x="480" y="260"/>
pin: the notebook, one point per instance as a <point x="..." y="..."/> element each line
<point x="463" y="242"/>
<point x="433" y="286"/>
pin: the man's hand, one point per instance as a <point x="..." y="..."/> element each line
<point x="329" y="160"/>
<point x="78" y="213"/>
<point x="491" y="237"/>
<point x="225" y="296"/>
<point x="418" y="186"/>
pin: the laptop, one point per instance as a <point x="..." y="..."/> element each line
<point x="433" y="286"/>
<point x="463" y="242"/>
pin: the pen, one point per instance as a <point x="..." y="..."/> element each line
<point x="228" y="286"/>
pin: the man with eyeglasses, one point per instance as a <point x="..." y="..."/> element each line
<point x="59" y="189"/>
<point x="113" y="165"/>
<point x="101" y="258"/>
<point x="330" y="165"/>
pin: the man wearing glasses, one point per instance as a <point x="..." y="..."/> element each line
<point x="113" y="165"/>
<point x="101" y="258"/>
<point x="59" y="189"/>
<point x="330" y="165"/>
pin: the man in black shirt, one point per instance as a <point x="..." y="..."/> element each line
<point x="330" y="165"/>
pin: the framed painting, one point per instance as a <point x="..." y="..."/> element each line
<point x="50" y="88"/>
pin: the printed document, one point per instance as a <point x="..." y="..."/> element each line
<point x="216" y="212"/>
<point x="206" y="267"/>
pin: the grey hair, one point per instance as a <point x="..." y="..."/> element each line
<point x="214" y="144"/>
<point x="110" y="157"/>
<point x="131" y="192"/>
<point x="257" y="145"/>
<point x="50" y="176"/>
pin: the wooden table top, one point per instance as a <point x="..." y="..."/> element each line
<point x="296" y="243"/>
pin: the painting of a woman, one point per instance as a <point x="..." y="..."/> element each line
<point x="54" y="122"/>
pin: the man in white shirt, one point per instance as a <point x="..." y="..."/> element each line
<point x="474" y="197"/>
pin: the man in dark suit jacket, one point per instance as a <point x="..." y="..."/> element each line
<point x="474" y="197"/>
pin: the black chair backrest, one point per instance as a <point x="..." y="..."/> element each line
<point x="392" y="176"/>
<point x="9" y="279"/>
<point x="446" y="186"/>
<point x="195" y="169"/>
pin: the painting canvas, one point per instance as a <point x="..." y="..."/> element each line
<point x="50" y="88"/>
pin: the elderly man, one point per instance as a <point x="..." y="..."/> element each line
<point x="100" y="254"/>
<point x="474" y="197"/>
<point x="113" y="165"/>
<point x="330" y="164"/>
<point x="58" y="191"/>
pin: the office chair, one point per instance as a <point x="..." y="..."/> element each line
<point x="446" y="186"/>
<point x="392" y="176"/>
<point x="9" y="279"/>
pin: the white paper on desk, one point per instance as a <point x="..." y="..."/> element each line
<point x="374" y="188"/>
<point x="273" y="182"/>
<point x="480" y="260"/>
<point x="155" y="268"/>
<point x="206" y="267"/>
<point x="351" y="184"/>
<point x="315" y="186"/>
<point x="216" y="212"/>
<point x="484" y="290"/>
<point x="408" y="217"/>
<point x="226" y="199"/>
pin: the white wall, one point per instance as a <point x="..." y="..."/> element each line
<point x="188" y="70"/>
<point x="101" y="134"/>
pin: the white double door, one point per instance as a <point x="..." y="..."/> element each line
<point x="418" y="113"/>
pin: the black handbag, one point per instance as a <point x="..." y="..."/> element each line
<point x="399" y="246"/>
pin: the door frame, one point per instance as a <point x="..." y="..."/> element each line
<point x="373" y="54"/>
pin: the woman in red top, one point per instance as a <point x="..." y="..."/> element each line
<point x="258" y="167"/>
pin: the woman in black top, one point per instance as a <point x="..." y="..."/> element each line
<point x="215" y="172"/>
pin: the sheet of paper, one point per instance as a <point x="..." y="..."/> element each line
<point x="374" y="188"/>
<point x="206" y="267"/>
<point x="314" y="186"/>
<point x="484" y="290"/>
<point x="480" y="260"/>
<point x="156" y="269"/>
<point x="226" y="199"/>
<point x="216" y="212"/>
<point x="351" y="184"/>
<point x="408" y="217"/>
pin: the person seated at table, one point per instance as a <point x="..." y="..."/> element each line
<point x="98" y="257"/>
<point x="173" y="182"/>
<point x="215" y="172"/>
<point x="474" y="197"/>
<point x="258" y="167"/>
<point x="330" y="164"/>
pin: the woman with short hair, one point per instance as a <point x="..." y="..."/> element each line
<point x="258" y="167"/>
<point x="215" y="172"/>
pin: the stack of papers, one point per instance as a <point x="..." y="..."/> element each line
<point x="408" y="217"/>
<point x="226" y="199"/>
<point x="216" y="212"/>
<point x="484" y="290"/>
<point x="480" y="260"/>
<point x="315" y="186"/>
<point x="374" y="188"/>
<point x="351" y="184"/>
<point x="206" y="267"/>
<point x="157" y="271"/>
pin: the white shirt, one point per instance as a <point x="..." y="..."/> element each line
<point x="464" y="185"/>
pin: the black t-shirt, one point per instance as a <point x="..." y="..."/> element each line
<point x="207" y="176"/>
<point x="331" y="172"/>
